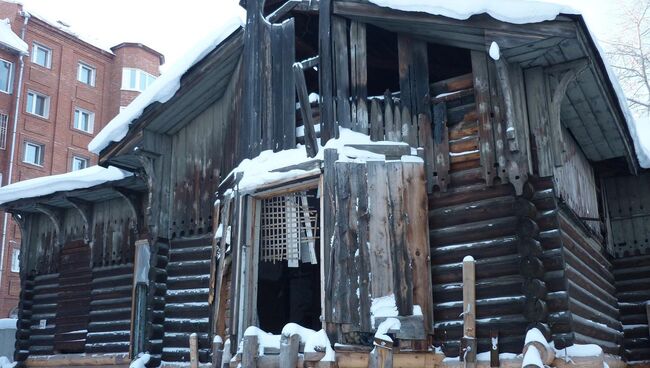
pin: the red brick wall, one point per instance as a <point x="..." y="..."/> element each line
<point x="56" y="131"/>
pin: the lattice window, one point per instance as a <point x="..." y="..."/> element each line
<point x="289" y="229"/>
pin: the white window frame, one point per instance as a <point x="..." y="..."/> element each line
<point x="4" y="128"/>
<point x="139" y="74"/>
<point x="30" y="108"/>
<point x="91" y="120"/>
<point x="48" y="58"/>
<point x="15" y="260"/>
<point x="80" y="159"/>
<point x="40" y="153"/>
<point x="93" y="73"/>
<point x="10" y="78"/>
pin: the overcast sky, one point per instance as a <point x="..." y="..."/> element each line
<point x="171" y="26"/>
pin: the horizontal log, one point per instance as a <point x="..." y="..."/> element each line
<point x="77" y="360"/>
<point x="481" y="230"/>
<point x="481" y="249"/>
<point x="585" y="296"/>
<point x="480" y="210"/>
<point x="460" y="82"/>
<point x="463" y="130"/>
<point x="582" y="281"/>
<point x="446" y="199"/>
<point x="588" y="244"/>
<point x="485" y="269"/>
<point x="507" y="286"/>
<point x="485" y="308"/>
<point x="579" y="308"/>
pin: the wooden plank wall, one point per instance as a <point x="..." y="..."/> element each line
<point x="203" y="153"/>
<point x="575" y="182"/>
<point x="381" y="249"/>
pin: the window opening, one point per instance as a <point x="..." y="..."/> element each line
<point x="289" y="274"/>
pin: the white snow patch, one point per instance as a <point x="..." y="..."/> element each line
<point x="319" y="341"/>
<point x="485" y="356"/>
<point x="141" y="361"/>
<point x="468" y="259"/>
<point x="383" y="306"/>
<point x="11" y="40"/>
<point x="495" y="51"/>
<point x="300" y="131"/>
<point x="387" y="325"/>
<point x="532" y="358"/>
<point x="296" y="329"/>
<point x="8" y="323"/>
<point x="258" y="171"/>
<point x="264" y="339"/>
<point x="6" y="363"/>
<point x="535" y="335"/>
<point x="579" y="350"/>
<point x="165" y="86"/>
<point x="80" y="179"/>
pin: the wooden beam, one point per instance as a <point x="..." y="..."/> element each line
<point x="329" y="128"/>
<point x="283" y="10"/>
<point x="311" y="144"/>
<point x="341" y="59"/>
<point x="56" y="216"/>
<point x="85" y="210"/>
<point x="359" y="76"/>
<point x="483" y="107"/>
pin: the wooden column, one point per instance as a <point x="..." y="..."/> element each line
<point x="249" y="352"/>
<point x="483" y="107"/>
<point x="468" y="341"/>
<point x="329" y="128"/>
<point x="359" y="76"/>
<point x="194" y="351"/>
<point x="289" y="346"/>
<point x="538" y="116"/>
<point x="140" y="295"/>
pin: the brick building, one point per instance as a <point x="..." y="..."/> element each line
<point x="58" y="90"/>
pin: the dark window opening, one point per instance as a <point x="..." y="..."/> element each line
<point x="383" y="61"/>
<point x="289" y="273"/>
<point x="447" y="62"/>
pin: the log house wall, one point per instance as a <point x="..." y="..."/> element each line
<point x="110" y="289"/>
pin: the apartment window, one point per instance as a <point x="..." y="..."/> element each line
<point x="38" y="104"/>
<point x="84" y="120"/>
<point x="15" y="260"/>
<point x="136" y="79"/>
<point x="41" y="55"/>
<point x="6" y="76"/>
<point x="86" y="74"/>
<point x="33" y="153"/>
<point x="4" y="122"/>
<point x="79" y="163"/>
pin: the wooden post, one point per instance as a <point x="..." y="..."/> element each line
<point x="381" y="357"/>
<point x="217" y="352"/>
<point x="140" y="291"/>
<point x="494" y="349"/>
<point x="289" y="346"/>
<point x="249" y="352"/>
<point x="468" y="342"/>
<point x="194" y="351"/>
<point x="647" y="311"/>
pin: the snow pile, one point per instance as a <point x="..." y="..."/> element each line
<point x="642" y="143"/>
<point x="387" y="325"/>
<point x="578" y="350"/>
<point x="495" y="51"/>
<point x="165" y="86"/>
<point x="11" y="40"/>
<point x="259" y="170"/>
<point x="141" y="361"/>
<point x="511" y="11"/>
<point x="8" y="323"/>
<point x="383" y="306"/>
<point x="45" y="185"/>
<point x="314" y="341"/>
<point x="535" y="335"/>
<point x="6" y="363"/>
<point x="532" y="358"/>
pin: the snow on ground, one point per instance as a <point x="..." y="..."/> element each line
<point x="383" y="306"/>
<point x="8" y="323"/>
<point x="522" y="12"/>
<point x="165" y="86"/>
<point x="6" y="363"/>
<point x="11" y="40"/>
<point x="45" y="185"/>
<point x="578" y="350"/>
<point x="313" y="340"/>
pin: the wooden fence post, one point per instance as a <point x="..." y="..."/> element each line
<point x="140" y="291"/>
<point x="194" y="351"/>
<point x="289" y="346"/>
<point x="217" y="352"/>
<point x="249" y="352"/>
<point x="468" y="341"/>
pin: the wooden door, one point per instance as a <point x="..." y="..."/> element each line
<point x="73" y="307"/>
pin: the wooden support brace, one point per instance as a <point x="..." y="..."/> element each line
<point x="311" y="144"/>
<point x="134" y="203"/>
<point x="55" y="215"/>
<point x="282" y="11"/>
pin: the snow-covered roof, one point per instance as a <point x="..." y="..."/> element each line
<point x="64" y="27"/>
<point x="11" y="40"/>
<point x="523" y="12"/>
<point x="165" y="86"/>
<point x="45" y="185"/>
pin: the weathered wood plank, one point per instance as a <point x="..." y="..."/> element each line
<point x="376" y="121"/>
<point x="482" y="93"/>
<point x="380" y="251"/>
<point x="341" y="71"/>
<point x="441" y="147"/>
<point x="359" y="76"/>
<point x="328" y="222"/>
<point x="329" y="129"/>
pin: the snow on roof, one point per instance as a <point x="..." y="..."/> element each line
<point x="64" y="27"/>
<point x="261" y="169"/>
<point x="45" y="185"/>
<point x="522" y="12"/>
<point x="165" y="86"/>
<point x="11" y="40"/>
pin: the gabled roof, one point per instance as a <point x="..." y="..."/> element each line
<point x="11" y="40"/>
<point x="165" y="86"/>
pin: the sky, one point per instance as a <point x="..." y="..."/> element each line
<point x="170" y="26"/>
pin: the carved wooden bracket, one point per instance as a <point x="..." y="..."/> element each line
<point x="566" y="73"/>
<point x="56" y="216"/>
<point x="85" y="209"/>
<point x="506" y="89"/>
<point x="134" y="204"/>
<point x="148" y="159"/>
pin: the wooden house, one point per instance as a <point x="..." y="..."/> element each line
<point x="426" y="136"/>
